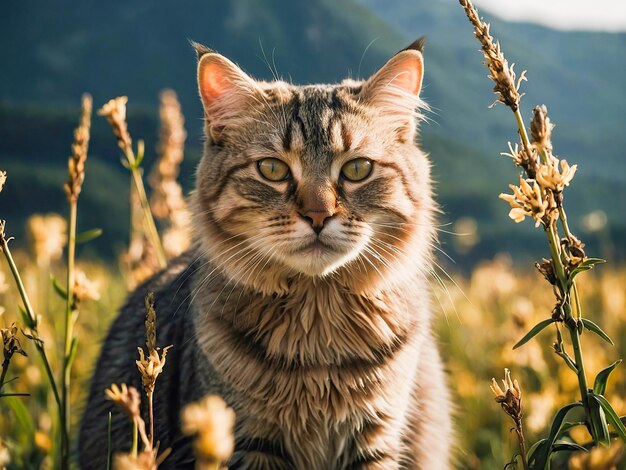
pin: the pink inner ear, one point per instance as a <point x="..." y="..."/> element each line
<point x="213" y="82"/>
<point x="408" y="75"/>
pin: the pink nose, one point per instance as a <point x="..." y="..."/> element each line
<point x="317" y="204"/>
<point x="317" y="218"/>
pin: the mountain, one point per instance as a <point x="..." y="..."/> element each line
<point x="52" y="52"/>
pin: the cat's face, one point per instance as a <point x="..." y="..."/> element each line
<point x="310" y="180"/>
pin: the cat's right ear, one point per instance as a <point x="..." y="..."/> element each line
<point x="227" y="92"/>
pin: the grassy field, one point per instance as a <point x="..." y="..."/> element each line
<point x="478" y="321"/>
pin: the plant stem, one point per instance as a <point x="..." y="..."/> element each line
<point x="32" y="324"/>
<point x="145" y="205"/>
<point x="522" y="444"/>
<point x="135" y="444"/>
<point x="151" y="416"/>
<point x="5" y="369"/>
<point x="69" y="333"/>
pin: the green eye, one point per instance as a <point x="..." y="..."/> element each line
<point x="273" y="169"/>
<point x="357" y="169"/>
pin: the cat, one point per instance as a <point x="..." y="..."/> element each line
<point x="305" y="300"/>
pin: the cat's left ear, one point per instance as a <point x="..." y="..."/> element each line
<point x="395" y="88"/>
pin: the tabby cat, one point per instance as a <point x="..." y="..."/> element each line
<point x="305" y="301"/>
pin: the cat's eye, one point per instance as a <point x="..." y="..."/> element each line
<point x="273" y="169"/>
<point x="357" y="169"/>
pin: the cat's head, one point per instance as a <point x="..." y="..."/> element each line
<point x="313" y="180"/>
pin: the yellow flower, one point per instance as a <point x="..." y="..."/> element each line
<point x="528" y="200"/>
<point x="48" y="236"/>
<point x="212" y="421"/>
<point x="550" y="177"/>
<point x="127" y="398"/>
<point x="3" y="178"/>
<point x="84" y="289"/>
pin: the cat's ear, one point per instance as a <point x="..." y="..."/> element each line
<point x="227" y="92"/>
<point x="395" y="88"/>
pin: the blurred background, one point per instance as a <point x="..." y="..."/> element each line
<point x="52" y="52"/>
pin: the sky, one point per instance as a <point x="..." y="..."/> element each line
<point x="597" y="15"/>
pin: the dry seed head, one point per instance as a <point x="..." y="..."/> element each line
<point x="10" y="344"/>
<point x="150" y="367"/>
<point x="167" y="200"/>
<point x="522" y="158"/>
<point x="76" y="162"/>
<point x="48" y="236"/>
<point x="506" y="84"/>
<point x="546" y="268"/>
<point x="212" y="421"/>
<point x="126" y="398"/>
<point x="143" y="461"/>
<point x="527" y="200"/>
<point x="5" y="457"/>
<point x="599" y="458"/>
<point x="85" y="289"/>
<point x="550" y="177"/>
<point x="510" y="396"/>
<point x="541" y="129"/>
<point x="115" y="112"/>
<point x="150" y="322"/>
<point x="3" y="179"/>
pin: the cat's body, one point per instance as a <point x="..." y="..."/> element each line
<point x="305" y="302"/>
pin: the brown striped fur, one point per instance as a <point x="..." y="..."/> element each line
<point x="321" y="342"/>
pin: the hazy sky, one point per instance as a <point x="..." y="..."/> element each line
<point x="601" y="15"/>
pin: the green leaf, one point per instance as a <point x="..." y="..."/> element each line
<point x="534" y="332"/>
<point x="543" y="458"/>
<point x="72" y="354"/>
<point x="141" y="148"/>
<point x="567" y="446"/>
<point x="611" y="416"/>
<point x="58" y="288"/>
<point x="599" y="428"/>
<point x="535" y="450"/>
<point x="599" y="386"/>
<point x="88" y="235"/>
<point x="591" y="326"/>
<point x="26" y="426"/>
<point x="586" y="265"/>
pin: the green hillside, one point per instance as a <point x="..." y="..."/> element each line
<point x="54" y="52"/>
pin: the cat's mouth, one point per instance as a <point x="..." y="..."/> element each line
<point x="315" y="247"/>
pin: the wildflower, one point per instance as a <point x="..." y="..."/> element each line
<point x="527" y="159"/>
<point x="506" y="85"/>
<point x="126" y="398"/>
<point x="550" y="177"/>
<point x="85" y="289"/>
<point x="142" y="461"/>
<point x="546" y="268"/>
<point x="115" y="112"/>
<point x="599" y="458"/>
<point x="76" y="163"/>
<point x="541" y="129"/>
<point x="212" y="422"/>
<point x="528" y="200"/>
<point x="167" y="201"/>
<point x="510" y="398"/>
<point x="5" y="457"/>
<point x="3" y="179"/>
<point x="150" y="365"/>
<point x="48" y="236"/>
<point x="11" y="345"/>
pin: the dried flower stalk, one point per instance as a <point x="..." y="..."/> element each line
<point x="115" y="113"/>
<point x="510" y="398"/>
<point x="76" y="162"/>
<point x="167" y="200"/>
